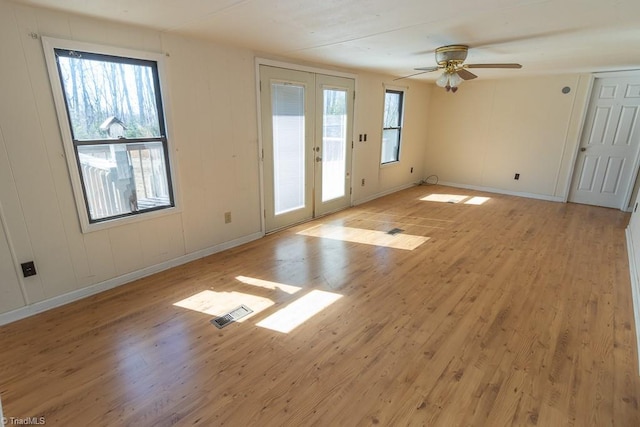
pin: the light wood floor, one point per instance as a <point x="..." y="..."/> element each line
<point x="514" y="312"/>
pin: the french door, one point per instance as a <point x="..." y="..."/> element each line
<point x="306" y="133"/>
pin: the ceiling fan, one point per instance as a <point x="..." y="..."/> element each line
<point x="451" y="60"/>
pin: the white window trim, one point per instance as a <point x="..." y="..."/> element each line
<point x="404" y="90"/>
<point x="49" y="44"/>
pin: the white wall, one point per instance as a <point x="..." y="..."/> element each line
<point x="369" y="112"/>
<point x="10" y="293"/>
<point x="214" y="129"/>
<point x="489" y="130"/>
<point x="633" y="249"/>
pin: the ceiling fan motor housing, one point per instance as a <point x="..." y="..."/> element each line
<point x="453" y="54"/>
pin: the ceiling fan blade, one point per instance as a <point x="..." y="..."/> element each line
<point x="493" y="66"/>
<point x="427" y="69"/>
<point x="410" y="75"/>
<point x="466" y="75"/>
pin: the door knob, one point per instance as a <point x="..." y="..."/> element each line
<point x="583" y="149"/>
<point x="318" y="159"/>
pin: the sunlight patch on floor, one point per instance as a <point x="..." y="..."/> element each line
<point x="299" y="311"/>
<point x="368" y="237"/>
<point x="477" y="200"/>
<point x="268" y="285"/>
<point x="220" y="303"/>
<point x="444" y="198"/>
<point x="455" y="198"/>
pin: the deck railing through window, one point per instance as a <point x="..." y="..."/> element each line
<point x="113" y="190"/>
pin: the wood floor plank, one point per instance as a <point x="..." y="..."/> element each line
<point x="511" y="312"/>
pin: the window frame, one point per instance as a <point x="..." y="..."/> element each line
<point x="399" y="128"/>
<point x="126" y="56"/>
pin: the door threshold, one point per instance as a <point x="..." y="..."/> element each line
<point x="304" y="221"/>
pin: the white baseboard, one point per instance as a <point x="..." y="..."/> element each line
<point x="60" y="300"/>
<point x="635" y="288"/>
<point x="384" y="193"/>
<point x="502" y="191"/>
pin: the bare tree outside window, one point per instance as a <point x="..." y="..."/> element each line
<point x="115" y="115"/>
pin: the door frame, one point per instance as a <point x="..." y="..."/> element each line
<point x="583" y="122"/>
<point x="295" y="67"/>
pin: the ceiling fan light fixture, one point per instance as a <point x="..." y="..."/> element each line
<point x="443" y="80"/>
<point x="450" y="80"/>
<point x="455" y="79"/>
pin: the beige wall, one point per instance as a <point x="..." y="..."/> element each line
<point x="633" y="249"/>
<point x="10" y="294"/>
<point x="489" y="130"/>
<point x="211" y="99"/>
<point x="369" y="111"/>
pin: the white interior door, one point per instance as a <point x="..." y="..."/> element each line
<point x="607" y="162"/>
<point x="306" y="134"/>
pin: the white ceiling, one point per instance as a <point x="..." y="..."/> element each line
<point x="395" y="36"/>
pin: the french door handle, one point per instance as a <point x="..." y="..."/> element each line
<point x="583" y="149"/>
<point x="318" y="159"/>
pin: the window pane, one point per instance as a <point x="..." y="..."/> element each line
<point x="123" y="178"/>
<point x="334" y="144"/>
<point x="288" y="147"/>
<point x="390" y="145"/>
<point x="392" y="104"/>
<point x="107" y="99"/>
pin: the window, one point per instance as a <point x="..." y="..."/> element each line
<point x="112" y="119"/>
<point x="392" y="125"/>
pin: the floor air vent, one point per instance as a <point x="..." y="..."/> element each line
<point x="232" y="316"/>
<point x="395" y="231"/>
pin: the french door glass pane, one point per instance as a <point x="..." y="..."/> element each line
<point x="288" y="147"/>
<point x="334" y="143"/>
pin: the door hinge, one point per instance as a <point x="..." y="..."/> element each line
<point x="260" y="84"/>
<point x="354" y="95"/>
<point x="262" y="154"/>
<point x="264" y="213"/>
<point x="351" y="144"/>
<point x="350" y="190"/>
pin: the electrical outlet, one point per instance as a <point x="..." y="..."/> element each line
<point x="516" y="176"/>
<point x="360" y="138"/>
<point x="28" y="269"/>
<point x="365" y="137"/>
<point x="362" y="182"/>
<point x="227" y="217"/>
